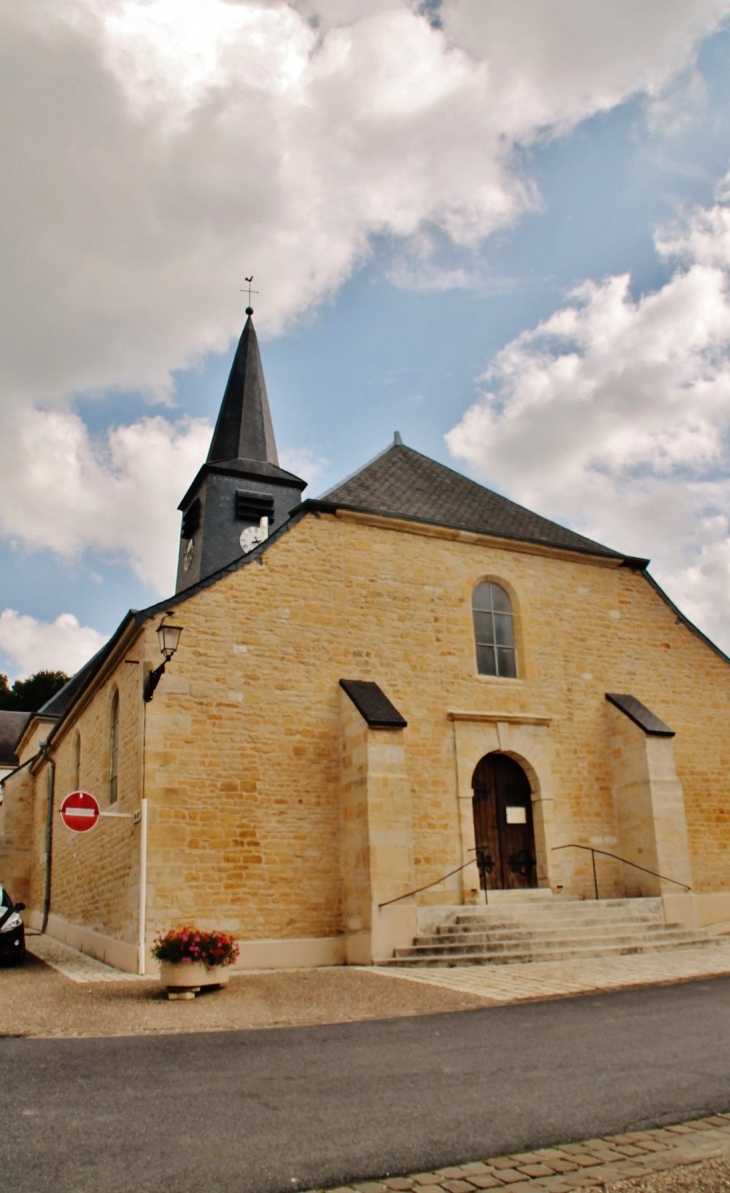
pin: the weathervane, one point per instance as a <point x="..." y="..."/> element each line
<point x="249" y="308"/>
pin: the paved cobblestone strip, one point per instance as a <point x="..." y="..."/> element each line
<point x="544" y="979"/>
<point x="592" y="1164"/>
<point x="76" y="966"/>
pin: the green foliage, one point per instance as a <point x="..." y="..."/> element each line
<point x="28" y="695"/>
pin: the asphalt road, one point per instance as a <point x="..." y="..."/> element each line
<point x="267" y="1111"/>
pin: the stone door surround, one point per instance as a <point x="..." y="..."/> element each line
<point x="524" y="737"/>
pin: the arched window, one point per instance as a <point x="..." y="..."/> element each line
<point x="114" y="748"/>
<point x="77" y="762"/>
<point x="494" y="631"/>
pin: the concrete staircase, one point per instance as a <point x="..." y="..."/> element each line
<point x="519" y="927"/>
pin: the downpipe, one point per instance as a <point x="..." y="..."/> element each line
<point x="49" y="832"/>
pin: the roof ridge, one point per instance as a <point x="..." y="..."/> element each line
<point x="351" y="475"/>
<point x="477" y="486"/>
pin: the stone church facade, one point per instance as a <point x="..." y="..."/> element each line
<point x="398" y="698"/>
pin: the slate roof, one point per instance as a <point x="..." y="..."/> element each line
<point x="640" y="715"/>
<point x="243" y="441"/>
<point x="64" y="699"/>
<point x="244" y="429"/>
<point x="400" y="482"/>
<point x="12" y="726"/>
<point x="373" y="705"/>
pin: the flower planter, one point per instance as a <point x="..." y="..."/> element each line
<point x="184" y="979"/>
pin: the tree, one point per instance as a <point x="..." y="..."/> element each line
<point x="28" y="695"/>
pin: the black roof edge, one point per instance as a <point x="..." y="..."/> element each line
<point x="635" y="563"/>
<point x="642" y="716"/>
<point x="14" y="771"/>
<point x="681" y="617"/>
<point x="143" y="615"/>
<point x="79" y="682"/>
<point x="318" y="504"/>
<point x="287" y="479"/>
<point x="138" y="617"/>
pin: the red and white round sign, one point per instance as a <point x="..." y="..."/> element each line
<point x="80" y="811"/>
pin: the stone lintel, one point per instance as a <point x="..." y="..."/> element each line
<point x="507" y="718"/>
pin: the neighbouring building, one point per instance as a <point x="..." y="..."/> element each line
<point x="383" y="702"/>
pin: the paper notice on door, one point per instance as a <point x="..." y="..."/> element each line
<point x="516" y="815"/>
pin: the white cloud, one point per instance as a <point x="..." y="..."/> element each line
<point x="155" y="151"/>
<point x="62" y="645"/>
<point x="63" y="491"/>
<point x="613" y="415"/>
<point x="306" y="462"/>
<point x="553" y="61"/>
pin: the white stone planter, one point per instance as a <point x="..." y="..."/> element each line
<point x="184" y="979"/>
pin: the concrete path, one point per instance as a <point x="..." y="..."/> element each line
<point x="72" y="964"/>
<point x="594" y="1163"/>
<point x="549" y="979"/>
<point x="318" y="1107"/>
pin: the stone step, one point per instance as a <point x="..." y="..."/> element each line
<point x="526" y="956"/>
<point x="499" y="923"/>
<point x="513" y="945"/>
<point x="528" y="895"/>
<point x="556" y="908"/>
<point x="484" y="923"/>
<point x="527" y="935"/>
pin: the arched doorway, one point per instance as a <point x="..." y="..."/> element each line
<point x="503" y="830"/>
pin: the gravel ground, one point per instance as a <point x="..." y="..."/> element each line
<point x="711" y="1176"/>
<point x="36" y="1000"/>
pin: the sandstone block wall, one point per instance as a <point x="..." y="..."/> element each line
<point x="649" y="808"/>
<point x="377" y="836"/>
<point x="243" y="737"/>
<point x="95" y="875"/>
<point x="16" y="835"/>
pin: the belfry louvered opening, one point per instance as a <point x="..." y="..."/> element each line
<point x="251" y="505"/>
<point x="191" y="520"/>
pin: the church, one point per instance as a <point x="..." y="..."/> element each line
<point x="362" y="712"/>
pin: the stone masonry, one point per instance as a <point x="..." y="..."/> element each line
<point x="252" y="827"/>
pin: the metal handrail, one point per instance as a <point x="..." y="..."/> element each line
<point x="625" y="861"/>
<point x="428" y="884"/>
<point x="588" y="848"/>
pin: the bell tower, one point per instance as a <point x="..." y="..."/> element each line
<point x="240" y="494"/>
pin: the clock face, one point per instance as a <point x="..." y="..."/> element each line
<point x="250" y="538"/>
<point x="188" y="554"/>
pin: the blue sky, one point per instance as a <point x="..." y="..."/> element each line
<point x="397" y="336"/>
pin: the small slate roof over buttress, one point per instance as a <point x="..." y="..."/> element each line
<point x="373" y="705"/>
<point x="640" y="715"/>
<point x="400" y="482"/>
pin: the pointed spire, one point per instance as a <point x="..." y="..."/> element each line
<point x="244" y="430"/>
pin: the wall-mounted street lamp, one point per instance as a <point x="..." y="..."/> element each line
<point x="168" y="637"/>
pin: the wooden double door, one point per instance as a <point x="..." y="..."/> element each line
<point x="503" y="829"/>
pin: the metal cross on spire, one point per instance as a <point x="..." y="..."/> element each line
<point x="249" y="308"/>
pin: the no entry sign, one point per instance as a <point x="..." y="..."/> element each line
<point x="80" y="811"/>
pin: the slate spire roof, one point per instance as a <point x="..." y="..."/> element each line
<point x="400" y="482"/>
<point x="244" y="430"/>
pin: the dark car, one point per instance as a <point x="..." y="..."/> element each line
<point x="12" y="932"/>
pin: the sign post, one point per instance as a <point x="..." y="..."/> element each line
<point x="80" y="812"/>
